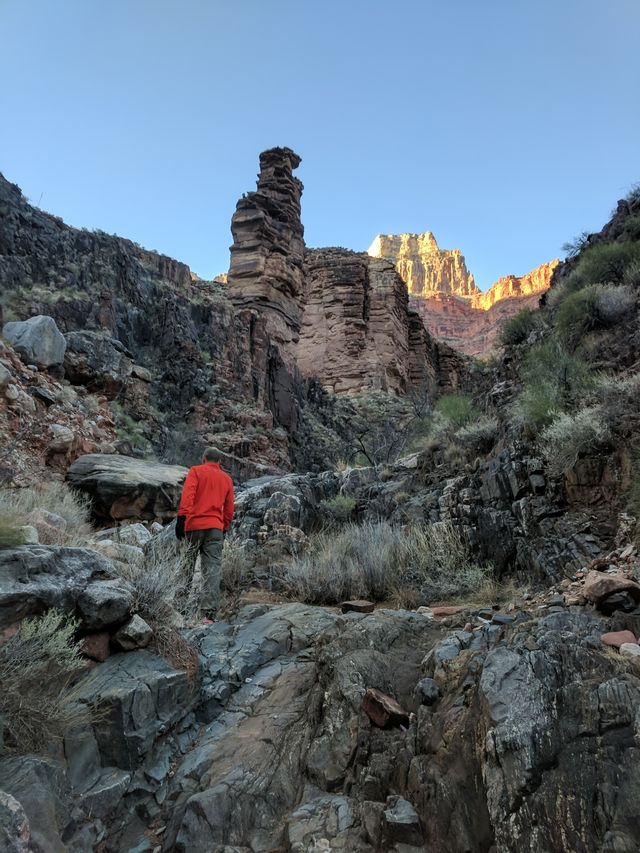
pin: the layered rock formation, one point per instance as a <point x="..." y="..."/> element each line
<point x="443" y="292"/>
<point x="424" y="266"/>
<point x="268" y="247"/>
<point x="339" y="316"/>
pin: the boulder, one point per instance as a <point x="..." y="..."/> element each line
<point x="598" y="586"/>
<point x="34" y="578"/>
<point x="383" y="710"/>
<point x="37" y="340"/>
<point x="617" y="638"/>
<point x="631" y="650"/>
<point x="105" y="603"/>
<point x="123" y="487"/>
<point x="15" y="832"/>
<point x="96" y="646"/>
<point x="135" y="634"/>
<point x="5" y="376"/>
<point x="401" y="822"/>
<point x="98" y="361"/>
<point x="357" y="606"/>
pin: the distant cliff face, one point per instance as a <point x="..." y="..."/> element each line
<point x="426" y="268"/>
<point x="443" y="291"/>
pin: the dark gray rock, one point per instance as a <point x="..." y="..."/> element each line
<point x="105" y="603"/>
<point x="427" y="691"/>
<point x="135" y="634"/>
<point x="401" y="823"/>
<point x="36" y="340"/>
<point x="15" y="832"/>
<point x="41" y="788"/>
<point x="140" y="697"/>
<point x="34" y="578"/>
<point x="98" y="361"/>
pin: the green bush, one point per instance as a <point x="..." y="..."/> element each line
<point x="606" y="262"/>
<point x="577" y="314"/>
<point x="377" y="561"/>
<point x="340" y="508"/>
<point x="37" y="666"/>
<point x="554" y="381"/>
<point x="517" y="329"/>
<point x="570" y="436"/>
<point x="480" y="435"/>
<point x="458" y="409"/>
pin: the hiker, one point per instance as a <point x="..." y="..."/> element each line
<point x="204" y="516"/>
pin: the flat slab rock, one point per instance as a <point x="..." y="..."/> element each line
<point x="123" y="487"/>
<point x="358" y="606"/>
<point x="618" y="638"/>
<point x="383" y="710"/>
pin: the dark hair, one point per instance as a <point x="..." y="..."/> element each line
<point x="212" y="454"/>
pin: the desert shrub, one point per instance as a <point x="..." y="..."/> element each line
<point x="237" y="565"/>
<point x="633" y="495"/>
<point x="375" y="560"/>
<point x="577" y="314"/>
<point x="517" y="329"/>
<point x="554" y="381"/>
<point x="10" y="534"/>
<point x="606" y="263"/>
<point x="614" y="303"/>
<point x="572" y="248"/>
<point x="340" y="508"/>
<point x="619" y="395"/>
<point x="128" y="429"/>
<point x="479" y="435"/>
<point x="458" y="409"/>
<point x="631" y="277"/>
<point x="158" y="581"/>
<point x="571" y="435"/>
<point x="37" y="667"/>
<point x="30" y="505"/>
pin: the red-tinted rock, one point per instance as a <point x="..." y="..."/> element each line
<point x="598" y="586"/>
<point x="448" y="610"/>
<point x="383" y="710"/>
<point x="360" y="606"/>
<point x="96" y="646"/>
<point x="618" y="638"/>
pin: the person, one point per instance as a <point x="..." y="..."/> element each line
<point x="204" y="516"/>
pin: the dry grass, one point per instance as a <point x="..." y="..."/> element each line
<point x="376" y="561"/>
<point x="569" y="436"/>
<point x="59" y="514"/>
<point x="37" y="667"/>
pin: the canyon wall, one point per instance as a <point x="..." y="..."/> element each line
<point x="338" y="316"/>
<point x="443" y="292"/>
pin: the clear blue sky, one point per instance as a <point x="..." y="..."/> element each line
<point x="506" y="127"/>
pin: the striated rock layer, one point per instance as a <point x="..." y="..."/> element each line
<point x="339" y="316"/>
<point x="443" y="292"/>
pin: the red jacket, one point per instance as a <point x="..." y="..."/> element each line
<point x="207" y="498"/>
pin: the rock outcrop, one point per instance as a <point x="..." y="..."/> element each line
<point x="121" y="487"/>
<point x="446" y="297"/>
<point x="424" y="266"/>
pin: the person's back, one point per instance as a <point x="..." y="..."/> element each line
<point x="204" y="515"/>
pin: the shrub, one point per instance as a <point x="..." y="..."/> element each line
<point x="633" y="496"/>
<point x="570" y="436"/>
<point x="456" y="408"/>
<point x="606" y="263"/>
<point x="37" y="667"/>
<point x="614" y="303"/>
<point x="340" y="508"/>
<point x="375" y="560"/>
<point x="10" y="534"/>
<point x="594" y="306"/>
<point x="480" y="435"/>
<point x="237" y="565"/>
<point x="517" y="329"/>
<point x="31" y="506"/>
<point x="631" y="277"/>
<point x="554" y="381"/>
<point x="619" y="395"/>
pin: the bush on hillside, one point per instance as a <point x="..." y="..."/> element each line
<point x="68" y="523"/>
<point x="458" y="409"/>
<point x="570" y="436"/>
<point x="480" y="435"/>
<point x="340" y="508"/>
<point x="37" y="667"/>
<point x="375" y="561"/>
<point x="619" y="396"/>
<point x="554" y="381"/>
<point x="605" y="263"/>
<point x="592" y="307"/>
<point x="517" y="329"/>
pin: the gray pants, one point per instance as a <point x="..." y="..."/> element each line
<point x="207" y="543"/>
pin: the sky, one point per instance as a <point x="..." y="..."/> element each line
<point x="506" y="127"/>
